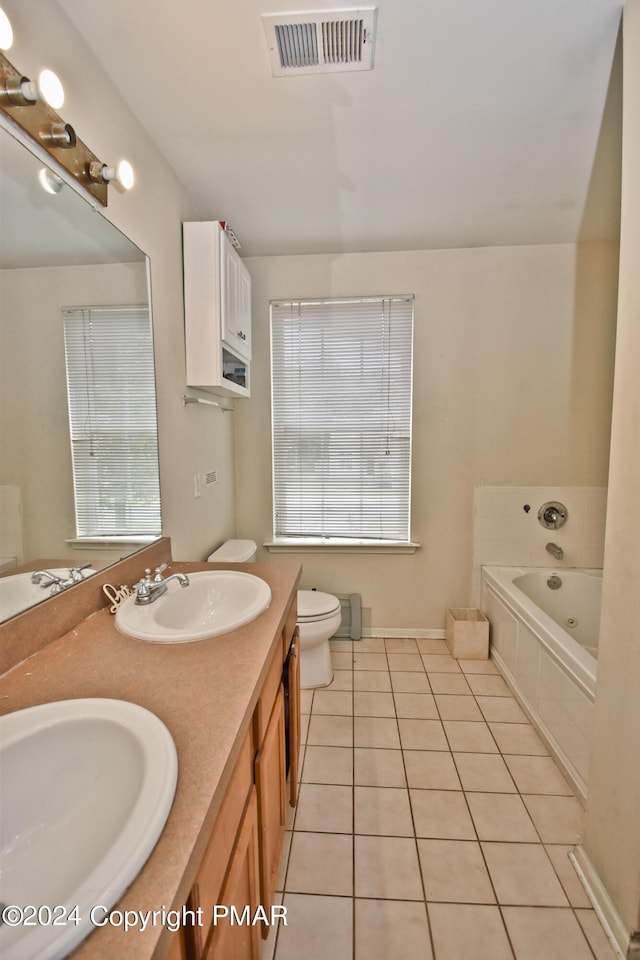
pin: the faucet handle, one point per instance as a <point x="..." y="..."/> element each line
<point x="141" y="588"/>
<point x="158" y="577"/>
<point x="552" y="515"/>
<point x="75" y="573"/>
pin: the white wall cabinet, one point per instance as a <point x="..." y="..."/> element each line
<point x="217" y="306"/>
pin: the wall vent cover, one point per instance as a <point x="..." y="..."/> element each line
<point x="330" y="41"/>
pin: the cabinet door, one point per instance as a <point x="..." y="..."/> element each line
<point x="235" y="300"/>
<point x="240" y="940"/>
<point x="271" y="776"/>
<point x="294" y="717"/>
<point x="212" y="874"/>
<point x="244" y="307"/>
<point x="177" y="950"/>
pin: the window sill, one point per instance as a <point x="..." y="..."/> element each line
<point x="88" y="543"/>
<point x="299" y="545"/>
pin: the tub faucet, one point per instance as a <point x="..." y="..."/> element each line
<point x="148" y="590"/>
<point x="555" y="550"/>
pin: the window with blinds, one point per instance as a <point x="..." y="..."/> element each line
<point x="112" y="418"/>
<point x="341" y="382"/>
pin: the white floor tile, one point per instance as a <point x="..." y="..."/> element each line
<point x="425" y="791"/>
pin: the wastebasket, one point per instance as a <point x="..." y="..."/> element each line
<point x="467" y="633"/>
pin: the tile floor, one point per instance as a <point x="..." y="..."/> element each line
<point x="431" y="823"/>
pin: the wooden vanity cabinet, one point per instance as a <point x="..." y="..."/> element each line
<point x="178" y="948"/>
<point x="240" y="864"/>
<point x="228" y="873"/>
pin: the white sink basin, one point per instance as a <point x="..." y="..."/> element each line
<point x="17" y="593"/>
<point x="215" y="602"/>
<point x="85" y="789"/>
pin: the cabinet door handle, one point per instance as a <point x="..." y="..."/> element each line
<point x="242" y="335"/>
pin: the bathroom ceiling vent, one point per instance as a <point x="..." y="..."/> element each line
<point x="331" y="41"/>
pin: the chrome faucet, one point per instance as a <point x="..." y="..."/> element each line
<point x="555" y="550"/>
<point x="58" y="584"/>
<point x="52" y="580"/>
<point x="148" y="589"/>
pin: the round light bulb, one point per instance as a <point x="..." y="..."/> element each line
<point x="6" y="31"/>
<point x="125" y="175"/>
<point x="50" y="181"/>
<point x="51" y="89"/>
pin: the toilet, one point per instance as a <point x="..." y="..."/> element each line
<point x="319" y="617"/>
<point x="234" y="551"/>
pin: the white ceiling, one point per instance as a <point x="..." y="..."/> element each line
<point x="481" y="123"/>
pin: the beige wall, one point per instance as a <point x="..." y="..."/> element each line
<point x="191" y="439"/>
<point x="513" y="361"/>
<point x="34" y="419"/>
<point x="612" y="837"/>
<point x="513" y="372"/>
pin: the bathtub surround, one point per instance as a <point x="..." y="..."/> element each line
<point x="551" y="673"/>
<point x="507" y="532"/>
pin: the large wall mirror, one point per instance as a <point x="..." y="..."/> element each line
<point x="56" y="252"/>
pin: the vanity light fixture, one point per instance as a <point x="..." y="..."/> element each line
<point x="6" y="31"/>
<point x="50" y="181"/>
<point x="61" y="135"/>
<point x="32" y="107"/>
<point x="122" y="173"/>
<point x="22" y="92"/>
<point x="50" y="88"/>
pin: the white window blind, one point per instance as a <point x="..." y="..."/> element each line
<point x="112" y="418"/>
<point x="341" y="376"/>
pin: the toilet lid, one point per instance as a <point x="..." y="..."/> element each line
<point x="313" y="604"/>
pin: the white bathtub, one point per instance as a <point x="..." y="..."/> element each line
<point x="545" y="643"/>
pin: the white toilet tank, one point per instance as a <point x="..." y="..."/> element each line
<point x="234" y="551"/>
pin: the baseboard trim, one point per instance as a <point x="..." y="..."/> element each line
<point x="612" y="923"/>
<point x="399" y="633"/>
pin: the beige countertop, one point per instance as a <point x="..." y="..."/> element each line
<point x="204" y="692"/>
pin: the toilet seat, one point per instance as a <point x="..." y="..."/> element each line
<point x="315" y="606"/>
